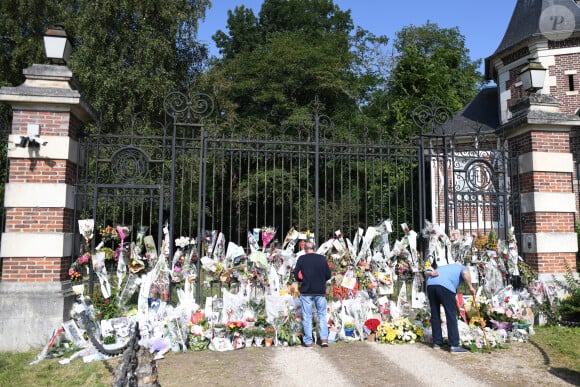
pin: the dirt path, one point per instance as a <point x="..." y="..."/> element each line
<point x="359" y="364"/>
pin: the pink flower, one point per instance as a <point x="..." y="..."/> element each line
<point x="509" y="313"/>
<point x="83" y="259"/>
<point x="478" y="344"/>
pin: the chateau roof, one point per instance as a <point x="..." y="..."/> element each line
<point x="525" y="26"/>
<point x="481" y="113"/>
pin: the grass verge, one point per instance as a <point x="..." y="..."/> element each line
<point x="560" y="347"/>
<point x="16" y="371"/>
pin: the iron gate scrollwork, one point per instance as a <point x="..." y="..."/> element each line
<point x="467" y="176"/>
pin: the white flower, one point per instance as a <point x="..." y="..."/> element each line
<point x="86" y="227"/>
<point x="182" y="242"/>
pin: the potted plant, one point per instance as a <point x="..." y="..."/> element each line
<point x="349" y="328"/>
<point x="269" y="333"/>
<point x="259" y="336"/>
<point x="249" y="334"/>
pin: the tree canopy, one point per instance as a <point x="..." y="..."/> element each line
<point x="273" y="66"/>
<point x="431" y="66"/>
<point x="127" y="54"/>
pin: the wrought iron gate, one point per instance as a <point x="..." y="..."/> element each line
<point x="186" y="176"/>
<point x="467" y="176"/>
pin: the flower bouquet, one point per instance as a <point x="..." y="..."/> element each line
<point x="370" y="328"/>
<point x="235" y="327"/>
<point x="268" y="234"/>
<point x="400" y="330"/>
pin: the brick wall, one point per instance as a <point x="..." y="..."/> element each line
<point x="551" y="262"/>
<point x="34" y="269"/>
<point x="570" y="99"/>
<point x="40" y="219"/>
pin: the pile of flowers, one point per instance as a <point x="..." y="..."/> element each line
<point x="377" y="288"/>
<point x="400" y="330"/>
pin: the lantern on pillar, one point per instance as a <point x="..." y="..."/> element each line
<point x="57" y="45"/>
<point x="532" y="76"/>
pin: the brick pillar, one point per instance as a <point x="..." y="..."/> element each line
<point x="37" y="240"/>
<point x="540" y="134"/>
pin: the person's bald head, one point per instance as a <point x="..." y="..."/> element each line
<point x="309" y="247"/>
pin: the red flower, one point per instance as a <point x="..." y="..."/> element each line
<point x="372" y="324"/>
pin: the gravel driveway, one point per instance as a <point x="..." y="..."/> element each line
<point x="360" y="364"/>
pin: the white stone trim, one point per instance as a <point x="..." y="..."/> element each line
<point x="548" y="202"/>
<point x="56" y="148"/>
<point x="554" y="242"/>
<point x="570" y="72"/>
<point x="546" y="162"/>
<point x="575" y="92"/>
<point x="28" y="244"/>
<point x="50" y="195"/>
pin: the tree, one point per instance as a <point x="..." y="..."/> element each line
<point x="275" y="65"/>
<point x="431" y="66"/>
<point x="127" y="55"/>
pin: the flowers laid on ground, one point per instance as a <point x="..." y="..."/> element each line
<point x="400" y="330"/>
<point x="375" y="291"/>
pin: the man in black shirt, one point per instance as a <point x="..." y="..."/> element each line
<point x="312" y="269"/>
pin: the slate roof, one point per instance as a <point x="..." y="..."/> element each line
<point x="524" y="25"/>
<point x="479" y="114"/>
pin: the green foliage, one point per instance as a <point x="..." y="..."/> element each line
<point x="126" y="55"/>
<point x="15" y="371"/>
<point x="431" y="66"/>
<point x="527" y="273"/>
<point x="106" y="308"/>
<point x="560" y="345"/>
<point x="274" y="65"/>
<point x="569" y="307"/>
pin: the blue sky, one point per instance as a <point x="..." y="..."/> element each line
<point x="482" y="23"/>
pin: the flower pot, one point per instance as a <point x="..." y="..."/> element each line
<point x="249" y="341"/>
<point x="371" y="337"/>
<point x="349" y="332"/>
<point x="258" y="341"/>
<point x="268" y="341"/>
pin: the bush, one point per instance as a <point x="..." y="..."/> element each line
<point x="569" y="307"/>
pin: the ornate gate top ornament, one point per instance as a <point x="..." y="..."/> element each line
<point x="430" y="118"/>
<point x="192" y="109"/>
